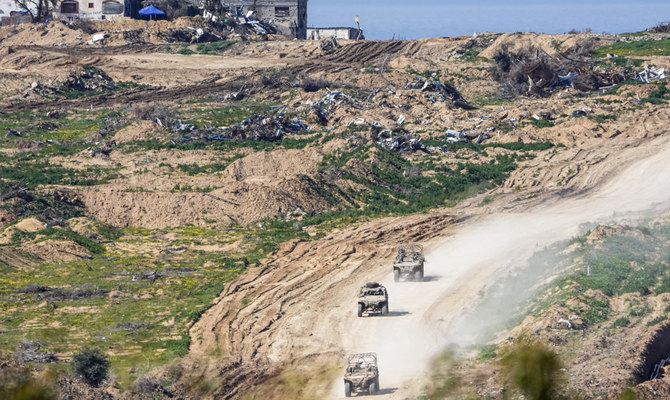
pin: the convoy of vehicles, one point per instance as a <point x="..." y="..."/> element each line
<point x="362" y="373"/>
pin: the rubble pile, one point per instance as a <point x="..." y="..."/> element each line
<point x="191" y="35"/>
<point x="399" y="141"/>
<point x="329" y="45"/>
<point x="88" y="79"/>
<point x="263" y="127"/>
<point x="330" y="102"/>
<point x="258" y="127"/>
<point x="439" y="92"/>
<point x="29" y="351"/>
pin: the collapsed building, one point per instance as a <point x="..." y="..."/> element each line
<point x="288" y="17"/>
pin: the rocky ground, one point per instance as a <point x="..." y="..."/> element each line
<point x="257" y="182"/>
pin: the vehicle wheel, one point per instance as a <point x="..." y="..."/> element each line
<point x="347" y="389"/>
<point x="418" y="275"/>
<point x="374" y="387"/>
<point x="396" y="275"/>
<point x="385" y="309"/>
<point x="360" y="309"/>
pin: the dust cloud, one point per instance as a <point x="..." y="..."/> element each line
<point x="427" y="317"/>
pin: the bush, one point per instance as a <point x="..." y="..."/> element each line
<point x="534" y="370"/>
<point x="622" y="322"/>
<point x="91" y="365"/>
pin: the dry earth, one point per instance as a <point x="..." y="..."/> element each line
<point x="282" y="330"/>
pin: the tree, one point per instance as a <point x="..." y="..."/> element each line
<point x="39" y="10"/>
<point x="91" y="365"/>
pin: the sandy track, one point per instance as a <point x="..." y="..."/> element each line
<point x="469" y="261"/>
<point x="299" y="311"/>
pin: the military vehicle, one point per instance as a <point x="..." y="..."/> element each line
<point x="373" y="298"/>
<point x="409" y="262"/>
<point x="362" y="374"/>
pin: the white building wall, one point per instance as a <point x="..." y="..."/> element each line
<point x="88" y="9"/>
<point x="337" y="33"/>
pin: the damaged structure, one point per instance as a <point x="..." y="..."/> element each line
<point x="288" y="17"/>
<point x="343" y="33"/>
<point x="69" y="10"/>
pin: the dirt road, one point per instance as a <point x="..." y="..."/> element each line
<point x="425" y="315"/>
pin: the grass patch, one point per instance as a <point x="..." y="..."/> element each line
<point x="214" y="47"/>
<point x="640" y="48"/>
<point x="72" y="125"/>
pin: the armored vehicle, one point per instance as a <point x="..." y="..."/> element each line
<point x="373" y="298"/>
<point x="362" y="374"/>
<point x="409" y="262"/>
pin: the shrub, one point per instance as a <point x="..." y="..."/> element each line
<point x="622" y="322"/>
<point x="91" y="365"/>
<point x="534" y="370"/>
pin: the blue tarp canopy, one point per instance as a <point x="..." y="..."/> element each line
<point x="151" y="10"/>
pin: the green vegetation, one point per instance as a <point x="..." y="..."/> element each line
<point x="214" y="47"/>
<point x="659" y="95"/>
<point x="71" y="125"/>
<point x="610" y="267"/>
<point x="91" y="365"/>
<point x="30" y="174"/>
<point x="639" y="48"/>
<point x="56" y="233"/>
<point x="533" y="370"/>
<point x="100" y="299"/>
<point x="602" y="118"/>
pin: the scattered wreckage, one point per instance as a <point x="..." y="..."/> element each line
<point x="362" y="374"/>
<point x="439" y="92"/>
<point x="373" y="298"/>
<point x="409" y="262"/>
<point x="257" y="127"/>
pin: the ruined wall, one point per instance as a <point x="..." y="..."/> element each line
<point x="89" y="9"/>
<point x="337" y="33"/>
<point x="288" y="16"/>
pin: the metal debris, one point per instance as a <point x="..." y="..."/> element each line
<point x="442" y="92"/>
<point x="647" y="75"/>
<point x="399" y="142"/>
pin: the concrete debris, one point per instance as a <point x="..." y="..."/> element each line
<point x="401" y="120"/>
<point x="297" y="213"/>
<point x="98" y="38"/>
<point x="357" y="121"/>
<point x="29" y="351"/>
<point x="41" y="89"/>
<point x="257" y="127"/>
<point x="104" y="149"/>
<point x="566" y="80"/>
<point x="456" y="136"/>
<point x="246" y="25"/>
<point x="88" y="79"/>
<point x="400" y="141"/>
<point x="151" y="275"/>
<point x="192" y="35"/>
<point x="440" y="92"/>
<point x="328" y="45"/>
<point x="647" y="75"/>
<point x="329" y="103"/>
